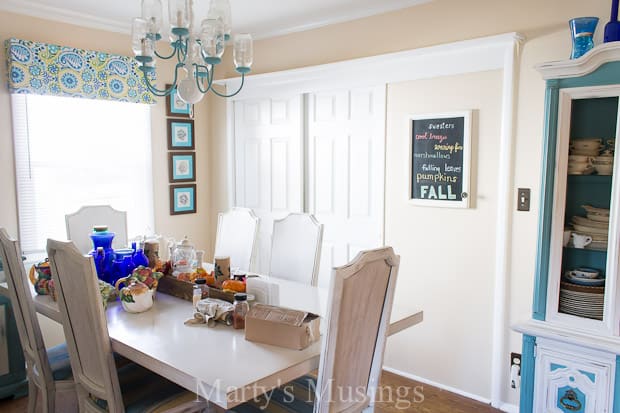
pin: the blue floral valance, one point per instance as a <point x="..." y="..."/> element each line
<point x="47" y="69"/>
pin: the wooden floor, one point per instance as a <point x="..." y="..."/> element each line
<point x="398" y="394"/>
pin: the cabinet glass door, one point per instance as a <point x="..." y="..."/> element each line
<point x="583" y="268"/>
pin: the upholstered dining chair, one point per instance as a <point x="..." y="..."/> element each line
<point x="237" y="230"/>
<point x="80" y="225"/>
<point x="49" y="372"/>
<point x="296" y="248"/>
<point x="360" y="305"/>
<point x="100" y="386"/>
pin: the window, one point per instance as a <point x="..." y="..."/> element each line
<point x="72" y="152"/>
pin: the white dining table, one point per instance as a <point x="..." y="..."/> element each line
<point x="216" y="362"/>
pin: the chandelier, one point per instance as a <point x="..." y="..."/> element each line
<point x="197" y="52"/>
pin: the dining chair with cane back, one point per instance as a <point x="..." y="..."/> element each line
<point x="80" y="224"/>
<point x="360" y="305"/>
<point x="49" y="371"/>
<point x="237" y="230"/>
<point x="100" y="386"/>
<point x="296" y="248"/>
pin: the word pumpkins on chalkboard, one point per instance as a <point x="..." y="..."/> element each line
<point x="440" y="160"/>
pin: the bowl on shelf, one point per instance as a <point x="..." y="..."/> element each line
<point x="586" y="144"/>
<point x="579" y="168"/>
<point x="579" y="158"/>
<point x="604" y="169"/>
<point x="585" y="272"/>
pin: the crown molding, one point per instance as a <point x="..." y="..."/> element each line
<point x="38" y="10"/>
<point x="487" y="53"/>
<point x="588" y="63"/>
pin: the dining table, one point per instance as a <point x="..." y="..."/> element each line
<point x="217" y="363"/>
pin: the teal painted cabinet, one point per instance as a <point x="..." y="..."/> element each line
<point x="571" y="345"/>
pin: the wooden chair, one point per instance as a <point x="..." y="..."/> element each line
<point x="80" y="225"/>
<point x="100" y="387"/>
<point x="49" y="372"/>
<point x="360" y="305"/>
<point x="237" y="230"/>
<point x="296" y="248"/>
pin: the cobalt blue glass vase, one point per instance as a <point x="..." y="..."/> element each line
<point x="612" y="29"/>
<point x="582" y="32"/>
<point x="102" y="238"/>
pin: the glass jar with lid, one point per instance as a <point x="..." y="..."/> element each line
<point x="240" y="310"/>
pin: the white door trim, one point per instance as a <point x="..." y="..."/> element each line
<point x="499" y="52"/>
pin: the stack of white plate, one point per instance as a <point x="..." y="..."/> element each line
<point x="581" y="154"/>
<point x="595" y="224"/>
<point x="582" y="301"/>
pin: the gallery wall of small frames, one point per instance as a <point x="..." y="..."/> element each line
<point x="181" y="155"/>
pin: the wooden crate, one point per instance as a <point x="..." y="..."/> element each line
<point x="185" y="289"/>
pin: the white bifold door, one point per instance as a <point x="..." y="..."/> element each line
<point x="321" y="153"/>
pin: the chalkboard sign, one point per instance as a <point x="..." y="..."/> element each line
<point x="439" y="159"/>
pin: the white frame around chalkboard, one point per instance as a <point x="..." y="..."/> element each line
<point x="464" y="202"/>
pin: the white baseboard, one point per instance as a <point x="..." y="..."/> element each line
<point x="510" y="408"/>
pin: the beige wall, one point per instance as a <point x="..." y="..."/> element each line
<point x="447" y="260"/>
<point x="198" y="227"/>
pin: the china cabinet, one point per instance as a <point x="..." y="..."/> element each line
<point x="571" y="346"/>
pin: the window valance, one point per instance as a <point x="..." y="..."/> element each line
<point x="47" y="69"/>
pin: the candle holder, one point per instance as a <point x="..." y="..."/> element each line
<point x="582" y="32"/>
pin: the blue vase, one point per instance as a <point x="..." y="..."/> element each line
<point x="612" y="29"/>
<point x="582" y="32"/>
<point x="140" y="259"/>
<point x="123" y="264"/>
<point x="102" y="238"/>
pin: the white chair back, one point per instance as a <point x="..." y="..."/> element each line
<point x="85" y="327"/>
<point x="39" y="371"/>
<point x="360" y="303"/>
<point x="296" y="248"/>
<point x="236" y="235"/>
<point x="80" y="225"/>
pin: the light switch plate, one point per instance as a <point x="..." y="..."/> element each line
<point x="523" y="199"/>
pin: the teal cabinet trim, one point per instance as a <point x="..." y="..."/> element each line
<point x="526" y="402"/>
<point x="607" y="74"/>
<point x="617" y="387"/>
<point x="546" y="200"/>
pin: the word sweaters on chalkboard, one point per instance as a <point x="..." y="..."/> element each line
<point x="440" y="147"/>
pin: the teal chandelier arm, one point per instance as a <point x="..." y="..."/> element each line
<point x="164" y="92"/>
<point x="209" y="76"/>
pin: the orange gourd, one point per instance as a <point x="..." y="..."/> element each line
<point x="233" y="285"/>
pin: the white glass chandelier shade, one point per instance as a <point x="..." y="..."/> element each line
<point x="197" y="52"/>
<point x="152" y="13"/>
<point x="243" y="52"/>
<point x="220" y="9"/>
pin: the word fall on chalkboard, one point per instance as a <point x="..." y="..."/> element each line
<point x="440" y="153"/>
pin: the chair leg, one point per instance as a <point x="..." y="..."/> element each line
<point x="33" y="394"/>
<point x="49" y="400"/>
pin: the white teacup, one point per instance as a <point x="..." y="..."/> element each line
<point x="580" y="240"/>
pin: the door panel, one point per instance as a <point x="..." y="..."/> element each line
<point x="346" y="132"/>
<point x="344" y="154"/>
<point x="268" y="163"/>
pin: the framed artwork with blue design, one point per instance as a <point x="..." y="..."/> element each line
<point x="182" y="199"/>
<point x="180" y="134"/>
<point x="181" y="166"/>
<point x="177" y="107"/>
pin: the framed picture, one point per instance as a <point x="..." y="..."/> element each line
<point x="180" y="134"/>
<point x="182" y="199"/>
<point x="439" y="159"/>
<point x="176" y="107"/>
<point x="181" y="166"/>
